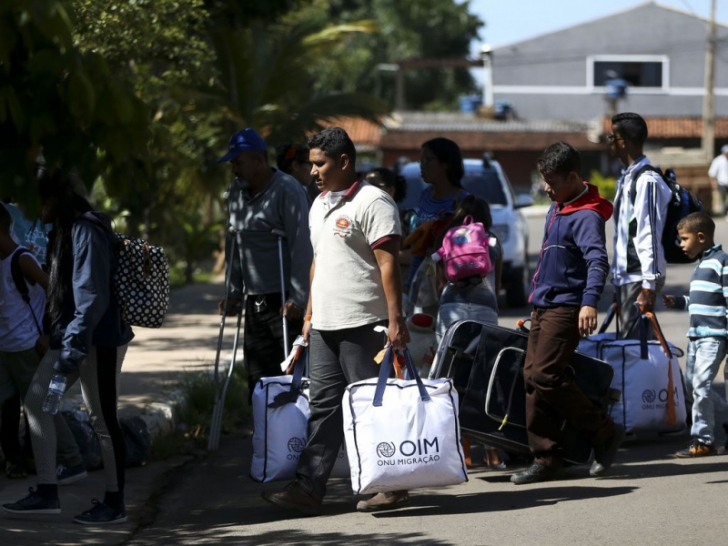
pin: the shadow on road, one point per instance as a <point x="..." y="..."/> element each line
<point x="502" y="501"/>
<point x="290" y="537"/>
<point x="663" y="470"/>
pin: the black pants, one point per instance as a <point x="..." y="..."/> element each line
<point x="263" y="340"/>
<point x="337" y="358"/>
<point x="629" y="313"/>
<point x="9" y="427"/>
<point x="551" y="395"/>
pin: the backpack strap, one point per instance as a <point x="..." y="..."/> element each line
<point x="17" y="274"/>
<point x="21" y="284"/>
<point x="640" y="172"/>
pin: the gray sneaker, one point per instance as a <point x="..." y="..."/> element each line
<point x="66" y="475"/>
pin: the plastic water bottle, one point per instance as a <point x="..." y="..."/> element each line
<point x="57" y="387"/>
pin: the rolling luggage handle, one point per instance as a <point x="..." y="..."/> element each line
<point x="502" y="420"/>
<point x="385" y="371"/>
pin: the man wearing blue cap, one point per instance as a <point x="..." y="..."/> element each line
<point x="718" y="174"/>
<point x="264" y="203"/>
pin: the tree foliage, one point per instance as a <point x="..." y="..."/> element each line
<point x="268" y="83"/>
<point x="57" y="98"/>
<point x="161" y="48"/>
<point x="140" y="96"/>
<point x="407" y="29"/>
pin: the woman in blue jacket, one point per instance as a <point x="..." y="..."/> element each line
<point x="88" y="342"/>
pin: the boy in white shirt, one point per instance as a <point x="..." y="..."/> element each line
<point x="22" y="305"/>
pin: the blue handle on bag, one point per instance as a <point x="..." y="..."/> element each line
<point x="644" y="329"/>
<point x="385" y="371"/>
<point x="300" y="368"/>
<point x="291" y="395"/>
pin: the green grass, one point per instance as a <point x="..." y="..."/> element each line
<point x="177" y="276"/>
<point x="196" y="413"/>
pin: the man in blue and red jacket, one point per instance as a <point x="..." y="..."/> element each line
<point x="569" y="280"/>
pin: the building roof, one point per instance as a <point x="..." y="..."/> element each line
<point x="459" y="121"/>
<point x="364" y="134"/>
<point x="643" y="5"/>
<point x="677" y="127"/>
<point x="477" y="141"/>
<point x="408" y="130"/>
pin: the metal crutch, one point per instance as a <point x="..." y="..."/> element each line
<point x="219" y="404"/>
<point x="281" y="235"/>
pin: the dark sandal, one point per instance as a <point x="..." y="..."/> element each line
<point x="15" y="471"/>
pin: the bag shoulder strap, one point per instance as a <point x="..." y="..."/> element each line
<point x="21" y="284"/>
<point x="640" y="172"/>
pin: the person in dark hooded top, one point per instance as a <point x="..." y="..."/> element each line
<point x="566" y="287"/>
<point x="88" y="341"/>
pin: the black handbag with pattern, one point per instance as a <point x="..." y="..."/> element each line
<point x="141" y="282"/>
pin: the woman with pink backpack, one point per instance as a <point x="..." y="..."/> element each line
<point x="470" y="260"/>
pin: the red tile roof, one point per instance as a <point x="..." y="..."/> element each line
<point x="361" y="131"/>
<point x="495" y="136"/>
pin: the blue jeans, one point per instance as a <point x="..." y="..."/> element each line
<point x="704" y="358"/>
<point x="450" y="313"/>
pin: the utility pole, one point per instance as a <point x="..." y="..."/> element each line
<point x="708" y="143"/>
<point x="486" y="54"/>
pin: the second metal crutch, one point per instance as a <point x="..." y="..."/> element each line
<point x="281" y="235"/>
<point x="219" y="404"/>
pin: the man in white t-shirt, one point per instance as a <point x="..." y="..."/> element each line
<point x="355" y="286"/>
<point x="718" y="174"/>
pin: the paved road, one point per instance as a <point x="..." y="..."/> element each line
<point x="649" y="499"/>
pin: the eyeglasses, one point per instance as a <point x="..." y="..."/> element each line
<point x="611" y="138"/>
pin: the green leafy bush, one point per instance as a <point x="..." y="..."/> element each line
<point x="607" y="186"/>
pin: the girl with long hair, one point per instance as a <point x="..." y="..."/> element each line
<point x="88" y="341"/>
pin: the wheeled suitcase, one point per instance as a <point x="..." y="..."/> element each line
<point x="486" y="363"/>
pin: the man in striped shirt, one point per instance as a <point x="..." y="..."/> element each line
<point x="708" y="305"/>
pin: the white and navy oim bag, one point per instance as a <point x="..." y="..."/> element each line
<point x="280" y="422"/>
<point x="402" y="434"/>
<point x="649" y="376"/>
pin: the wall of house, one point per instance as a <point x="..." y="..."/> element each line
<point x="547" y="76"/>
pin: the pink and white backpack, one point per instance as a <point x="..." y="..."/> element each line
<point x="465" y="251"/>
